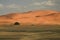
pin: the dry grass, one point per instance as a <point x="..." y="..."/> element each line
<point x="42" y="32"/>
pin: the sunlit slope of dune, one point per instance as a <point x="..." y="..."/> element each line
<point x="40" y="17"/>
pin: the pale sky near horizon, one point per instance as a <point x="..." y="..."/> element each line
<point x="8" y="6"/>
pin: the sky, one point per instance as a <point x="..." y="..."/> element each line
<point x="9" y="6"/>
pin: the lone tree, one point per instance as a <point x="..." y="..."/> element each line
<point x="16" y="23"/>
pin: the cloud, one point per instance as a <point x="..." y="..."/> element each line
<point x="46" y="3"/>
<point x="1" y="6"/>
<point x="49" y="3"/>
<point x="13" y="6"/>
<point x="36" y="3"/>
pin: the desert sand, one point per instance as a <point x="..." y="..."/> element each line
<point x="31" y="17"/>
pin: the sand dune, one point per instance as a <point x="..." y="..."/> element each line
<point x="32" y="17"/>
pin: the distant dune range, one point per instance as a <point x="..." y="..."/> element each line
<point x="40" y="17"/>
